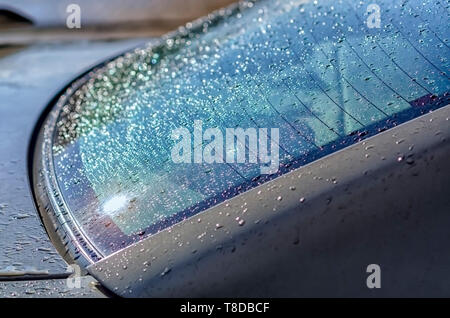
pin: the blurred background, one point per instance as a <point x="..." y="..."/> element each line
<point x="24" y="22"/>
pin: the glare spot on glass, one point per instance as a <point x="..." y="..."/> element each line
<point x="115" y="204"/>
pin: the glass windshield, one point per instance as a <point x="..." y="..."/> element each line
<point x="324" y="74"/>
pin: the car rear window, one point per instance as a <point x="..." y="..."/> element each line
<point x="326" y="74"/>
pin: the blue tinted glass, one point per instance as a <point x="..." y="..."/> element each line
<point x="324" y="73"/>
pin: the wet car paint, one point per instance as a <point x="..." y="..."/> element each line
<point x="314" y="231"/>
<point x="50" y="288"/>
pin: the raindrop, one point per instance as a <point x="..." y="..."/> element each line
<point x="240" y="221"/>
<point x="166" y="271"/>
<point x="44" y="249"/>
<point x="22" y="216"/>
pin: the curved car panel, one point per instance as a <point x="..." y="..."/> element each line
<point x="380" y="201"/>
